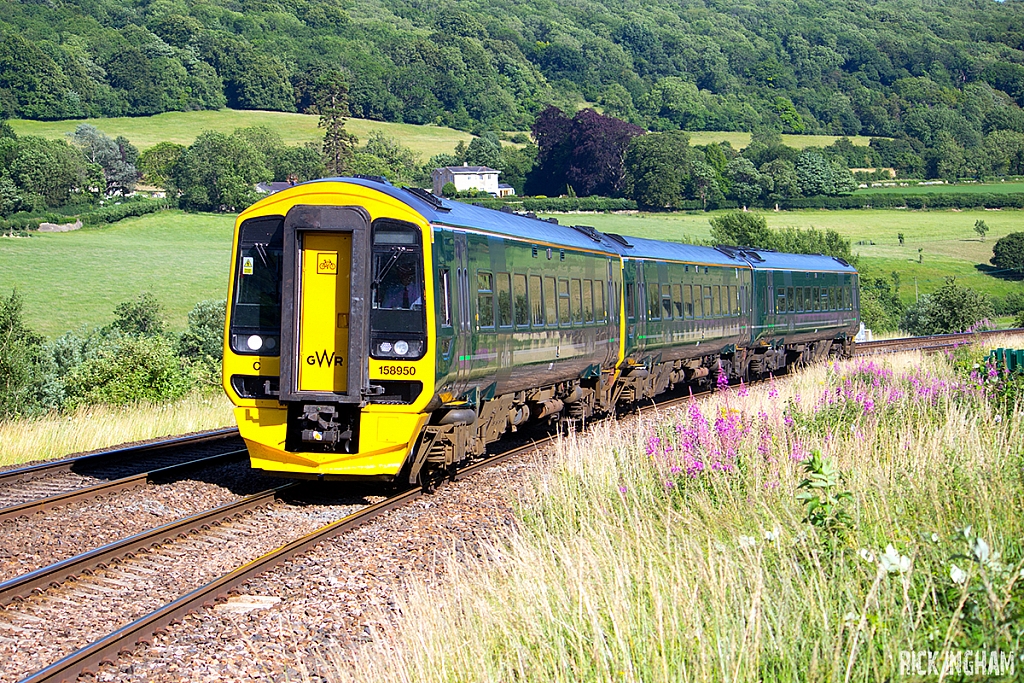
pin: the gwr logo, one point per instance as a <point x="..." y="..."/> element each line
<point x="331" y="360"/>
<point x="327" y="263"/>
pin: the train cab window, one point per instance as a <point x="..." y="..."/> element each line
<point x="734" y="299"/>
<point x="563" y="302"/>
<point x="588" y="301"/>
<point x="688" y="301"/>
<point x="550" y="297"/>
<point x="520" y="302"/>
<point x="653" y="301"/>
<point x="666" y="302"/>
<point x="446" y="297"/>
<point x="709" y="311"/>
<point x="504" y="282"/>
<point x="677" y="301"/>
<point x="536" y="302"/>
<point x="790" y="300"/>
<point x="599" y="309"/>
<point x="576" y="300"/>
<point x="816" y="299"/>
<point x="396" y="300"/>
<point x="799" y="299"/>
<point x="485" y="299"/>
<point x="256" y="308"/>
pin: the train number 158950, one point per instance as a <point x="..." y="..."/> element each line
<point x="397" y="370"/>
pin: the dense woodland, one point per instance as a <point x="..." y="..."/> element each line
<point x="937" y="75"/>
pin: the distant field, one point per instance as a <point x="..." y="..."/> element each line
<point x="951" y="247"/>
<point x="77" y="278"/>
<point x="295" y="129"/>
<point x="741" y="140"/>
<point x="966" y="188"/>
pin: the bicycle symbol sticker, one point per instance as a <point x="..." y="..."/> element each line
<point x="327" y="263"/>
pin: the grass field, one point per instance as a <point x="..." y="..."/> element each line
<point x="741" y="140"/>
<point x="950" y="245"/>
<point x="965" y="188"/>
<point x="295" y="129"/>
<point x="76" y="278"/>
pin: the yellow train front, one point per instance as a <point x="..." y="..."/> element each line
<point x="376" y="331"/>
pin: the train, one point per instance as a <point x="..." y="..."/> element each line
<point x="377" y="332"/>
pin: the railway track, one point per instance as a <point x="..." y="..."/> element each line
<point x="932" y="343"/>
<point x="36" y="488"/>
<point x="125" y="565"/>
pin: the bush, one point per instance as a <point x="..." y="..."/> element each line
<point x="1008" y="252"/>
<point x="20" y="359"/>
<point x="202" y="344"/>
<point x="139" y="317"/>
<point x="951" y="308"/>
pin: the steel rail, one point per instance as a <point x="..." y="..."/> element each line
<point x="123" y="484"/>
<point x="106" y="650"/>
<point x="926" y="343"/>
<point x="55" y="574"/>
<point x="98" y="457"/>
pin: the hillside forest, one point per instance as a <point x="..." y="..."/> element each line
<point x="939" y="78"/>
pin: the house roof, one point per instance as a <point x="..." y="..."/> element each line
<point x="468" y="169"/>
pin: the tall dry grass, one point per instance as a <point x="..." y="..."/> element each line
<point x="55" y="436"/>
<point x="676" y="548"/>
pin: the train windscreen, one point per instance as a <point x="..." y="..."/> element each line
<point x="256" y="309"/>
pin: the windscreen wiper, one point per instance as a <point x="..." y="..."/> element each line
<point x="396" y="252"/>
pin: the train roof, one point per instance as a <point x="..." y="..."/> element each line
<point x="766" y="259"/>
<point x="639" y="248"/>
<point x="460" y="215"/>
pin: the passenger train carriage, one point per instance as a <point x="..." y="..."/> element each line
<point x="382" y="332"/>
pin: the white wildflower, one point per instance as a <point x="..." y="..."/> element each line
<point x="998" y="419"/>
<point x="935" y="538"/>
<point x="746" y="542"/>
<point x="981" y="550"/>
<point x="772" y="535"/>
<point x="958" y="575"/>
<point x="893" y="562"/>
<point x="867" y="555"/>
<point x="967" y="532"/>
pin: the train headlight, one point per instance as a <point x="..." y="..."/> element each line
<point x="254" y="342"/>
<point x="401" y="347"/>
<point x="385" y="347"/>
<point x="270" y="343"/>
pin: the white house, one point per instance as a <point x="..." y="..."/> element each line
<point x="468" y="177"/>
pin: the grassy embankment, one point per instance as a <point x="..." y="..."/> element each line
<point x="55" y="436"/>
<point x="950" y="245"/>
<point x="677" y="549"/>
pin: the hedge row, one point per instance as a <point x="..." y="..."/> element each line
<point x="98" y="216"/>
<point x="549" y="204"/>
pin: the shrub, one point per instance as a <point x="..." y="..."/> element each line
<point x="202" y="344"/>
<point x="951" y="308"/>
<point x="1008" y="252"/>
<point x="20" y="356"/>
<point x="139" y="317"/>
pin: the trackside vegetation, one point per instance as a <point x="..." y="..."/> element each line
<point x="811" y="528"/>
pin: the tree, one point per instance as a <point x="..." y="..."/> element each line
<point x="219" y="173"/>
<point x="485" y="150"/>
<point x="20" y="350"/>
<point x="656" y="169"/>
<point x="117" y="157"/>
<point x="980" y="228"/>
<point x="204" y="339"/>
<point x="551" y="130"/>
<point x="741" y="229"/>
<point x="951" y="308"/>
<point x="1008" y="252"/>
<point x="449" y="189"/>
<point x="745" y="181"/>
<point x="157" y="162"/>
<point x="52" y="169"/>
<point x="598" y="145"/>
<point x="339" y="145"/>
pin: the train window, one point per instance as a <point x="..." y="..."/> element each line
<point x="588" y="301"/>
<point x="504" y="281"/>
<point x="688" y="302"/>
<point x="576" y="301"/>
<point x="790" y="300"/>
<point x="734" y="298"/>
<point x="485" y="299"/>
<point x="824" y="298"/>
<point x="816" y="301"/>
<point x="708" y="309"/>
<point x="831" y="298"/>
<point x="630" y="311"/>
<point x="599" y="309"/>
<point x="521" y="305"/>
<point x="563" y="302"/>
<point x="666" y="302"/>
<point x="807" y="299"/>
<point x="849" y="297"/>
<point x="716" y="301"/>
<point x="550" y="297"/>
<point x="677" y="300"/>
<point x="799" y="299"/>
<point x="780" y="305"/>
<point x="446" y="297"/>
<point x="653" y="301"/>
<point x="536" y="301"/>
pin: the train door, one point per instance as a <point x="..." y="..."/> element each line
<point x="324" y="330"/>
<point x="463" y="312"/>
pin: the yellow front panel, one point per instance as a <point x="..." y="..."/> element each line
<point x="324" y="312"/>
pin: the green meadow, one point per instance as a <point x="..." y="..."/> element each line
<point x="77" y="278"/>
<point x="959" y="188"/>
<point x="295" y="129"/>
